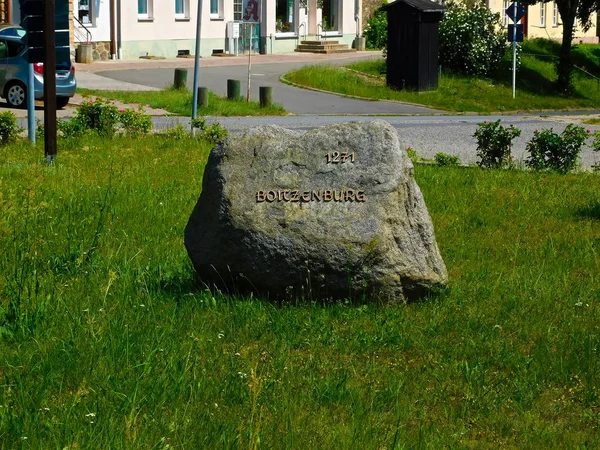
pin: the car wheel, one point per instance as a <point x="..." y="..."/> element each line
<point x="16" y="95"/>
<point x="61" y="102"/>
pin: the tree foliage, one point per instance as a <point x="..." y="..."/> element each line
<point x="376" y="30"/>
<point x="471" y="39"/>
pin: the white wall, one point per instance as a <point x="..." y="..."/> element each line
<point x="101" y="30"/>
<point x="163" y="24"/>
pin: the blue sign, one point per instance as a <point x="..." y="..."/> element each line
<point x="511" y="33"/>
<point x="517" y="13"/>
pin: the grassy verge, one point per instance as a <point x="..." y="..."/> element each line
<point x="179" y="102"/>
<point x="105" y="344"/>
<point x="535" y="89"/>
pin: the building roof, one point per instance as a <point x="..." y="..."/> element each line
<point x="421" y="5"/>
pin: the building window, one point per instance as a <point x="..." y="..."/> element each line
<point x="85" y="12"/>
<point x="542" y="15"/>
<point x="285" y="16"/>
<point x="554" y="14"/>
<point x="216" y="9"/>
<point x="505" y="4"/>
<point x="182" y="9"/>
<point x="144" y="9"/>
<point x="237" y="9"/>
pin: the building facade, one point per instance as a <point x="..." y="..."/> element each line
<point x="542" y="20"/>
<point x="167" y="28"/>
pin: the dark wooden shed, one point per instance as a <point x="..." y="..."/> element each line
<point x="413" y="44"/>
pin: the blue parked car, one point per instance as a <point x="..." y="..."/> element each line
<point x="13" y="72"/>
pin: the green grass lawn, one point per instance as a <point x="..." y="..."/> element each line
<point x="104" y="343"/>
<point x="179" y="102"/>
<point x="535" y="85"/>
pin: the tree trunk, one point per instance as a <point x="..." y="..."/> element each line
<point x="565" y="63"/>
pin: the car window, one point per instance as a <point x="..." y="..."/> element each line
<point x="14" y="48"/>
<point x="13" y="32"/>
<point x="3" y="49"/>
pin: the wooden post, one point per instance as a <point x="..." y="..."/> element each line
<point x="266" y="96"/>
<point x="49" y="81"/>
<point x="180" y="79"/>
<point x="233" y="89"/>
<point x="203" y="97"/>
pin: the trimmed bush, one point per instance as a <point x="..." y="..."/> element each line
<point x="494" y="144"/>
<point x="444" y="159"/>
<point x="9" y="130"/>
<point x="557" y="153"/>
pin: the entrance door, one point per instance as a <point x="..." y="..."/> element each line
<point x="330" y="15"/>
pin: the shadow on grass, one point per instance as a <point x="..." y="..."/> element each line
<point x="591" y="211"/>
<point x="529" y="80"/>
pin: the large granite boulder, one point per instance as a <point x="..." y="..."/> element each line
<point x="327" y="214"/>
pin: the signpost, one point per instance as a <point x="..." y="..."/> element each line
<point x="515" y="11"/>
<point x="197" y="62"/>
<point x="47" y="40"/>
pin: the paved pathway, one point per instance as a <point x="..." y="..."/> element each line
<point x="266" y="71"/>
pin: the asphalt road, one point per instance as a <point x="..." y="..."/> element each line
<point x="427" y="135"/>
<point x="418" y="127"/>
<point x="294" y="100"/>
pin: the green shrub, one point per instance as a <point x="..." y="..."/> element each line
<point x="178" y="133"/>
<point x="471" y="39"/>
<point x="412" y="154"/>
<point x="100" y="116"/>
<point x="71" y="128"/>
<point x="376" y="31"/>
<point x="444" y="159"/>
<point x="212" y="133"/>
<point x="135" y="123"/>
<point x="494" y="144"/>
<point x="9" y="130"/>
<point x="553" y="152"/>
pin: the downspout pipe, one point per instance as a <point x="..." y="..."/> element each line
<point x="113" y="30"/>
<point x="119" y="34"/>
<point x="357" y="17"/>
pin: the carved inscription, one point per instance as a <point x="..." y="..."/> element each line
<point x="340" y="157"/>
<point x="321" y="195"/>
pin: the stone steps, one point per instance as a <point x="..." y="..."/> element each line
<point x="323" y="47"/>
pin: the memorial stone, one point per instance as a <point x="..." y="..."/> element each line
<point x="333" y="213"/>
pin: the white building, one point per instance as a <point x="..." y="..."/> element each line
<point x="166" y="28"/>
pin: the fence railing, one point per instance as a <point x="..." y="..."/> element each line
<point x="88" y="33"/>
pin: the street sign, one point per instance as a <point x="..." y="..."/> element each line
<point x="36" y="54"/>
<point x="36" y="39"/>
<point x="32" y="8"/>
<point x="515" y="15"/>
<point x="32" y="23"/>
<point x="61" y="22"/>
<point x="32" y="12"/>
<point x="511" y="33"/>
